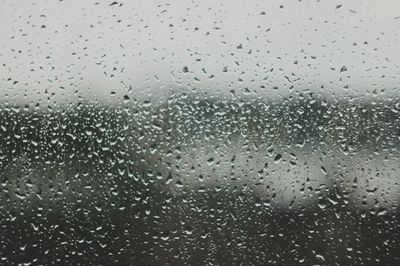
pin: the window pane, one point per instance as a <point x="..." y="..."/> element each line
<point x="208" y="133"/>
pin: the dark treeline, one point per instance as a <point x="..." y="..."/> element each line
<point x="86" y="184"/>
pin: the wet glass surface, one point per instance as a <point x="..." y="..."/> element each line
<point x="175" y="133"/>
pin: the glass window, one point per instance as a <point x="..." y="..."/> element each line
<point x="199" y="133"/>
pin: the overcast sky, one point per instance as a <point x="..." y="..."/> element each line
<point x="256" y="48"/>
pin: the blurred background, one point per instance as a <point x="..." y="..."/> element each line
<point x="216" y="133"/>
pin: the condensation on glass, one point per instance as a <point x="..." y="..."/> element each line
<point x="199" y="133"/>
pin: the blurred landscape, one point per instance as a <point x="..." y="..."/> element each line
<point x="195" y="180"/>
<point x="199" y="132"/>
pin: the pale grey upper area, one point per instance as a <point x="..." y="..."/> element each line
<point x="88" y="49"/>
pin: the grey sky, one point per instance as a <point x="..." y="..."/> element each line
<point x="100" y="47"/>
